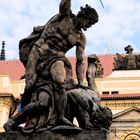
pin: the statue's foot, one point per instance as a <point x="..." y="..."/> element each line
<point x="64" y="121"/>
<point x="10" y="125"/>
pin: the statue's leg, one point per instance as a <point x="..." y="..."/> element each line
<point x="81" y="107"/>
<point x="31" y="110"/>
<point x="59" y="75"/>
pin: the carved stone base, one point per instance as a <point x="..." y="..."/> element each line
<point x="47" y="135"/>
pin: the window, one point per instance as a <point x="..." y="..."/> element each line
<point x="114" y="92"/>
<point x="105" y="92"/>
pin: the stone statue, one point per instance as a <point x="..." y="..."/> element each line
<point x="50" y="93"/>
<point x="91" y="71"/>
<point x="61" y="33"/>
<point x="130" y="58"/>
<point x="138" y="61"/>
<point x="119" y="63"/>
<point x="99" y="69"/>
<point x="129" y="61"/>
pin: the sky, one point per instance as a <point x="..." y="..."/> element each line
<point x="118" y="26"/>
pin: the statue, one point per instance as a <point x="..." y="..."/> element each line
<point x="99" y="69"/>
<point x="119" y="62"/>
<point x="92" y="71"/>
<point x="138" y="61"/>
<point x="130" y="58"/>
<point x="128" y="62"/>
<point x="50" y="93"/>
<point x="60" y="34"/>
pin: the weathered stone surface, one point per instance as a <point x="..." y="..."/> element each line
<point x="47" y="135"/>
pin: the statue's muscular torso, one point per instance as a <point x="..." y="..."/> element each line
<point x="60" y="35"/>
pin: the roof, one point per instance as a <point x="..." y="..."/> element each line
<point x="120" y="96"/>
<point x="107" y="63"/>
<point x="103" y="96"/>
<point x="15" y="69"/>
<point x="6" y="94"/>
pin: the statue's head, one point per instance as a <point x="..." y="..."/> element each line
<point x="128" y="49"/>
<point x="101" y="118"/>
<point x="86" y="17"/>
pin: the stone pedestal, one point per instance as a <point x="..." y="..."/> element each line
<point x="47" y="135"/>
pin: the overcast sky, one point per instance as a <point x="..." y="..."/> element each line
<point x="118" y="26"/>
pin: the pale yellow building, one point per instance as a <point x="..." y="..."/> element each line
<point x="121" y="93"/>
<point x="7" y="106"/>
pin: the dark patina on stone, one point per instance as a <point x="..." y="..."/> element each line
<point x="48" y="135"/>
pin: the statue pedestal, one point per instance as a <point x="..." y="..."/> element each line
<point x="47" y="135"/>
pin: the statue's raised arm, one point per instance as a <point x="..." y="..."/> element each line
<point x="65" y="7"/>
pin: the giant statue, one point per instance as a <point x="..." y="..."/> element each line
<point x="51" y="98"/>
<point x="130" y="58"/>
<point x="129" y="61"/>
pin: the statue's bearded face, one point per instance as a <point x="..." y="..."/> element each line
<point x="84" y="23"/>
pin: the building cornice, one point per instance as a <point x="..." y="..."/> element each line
<point x="120" y="96"/>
